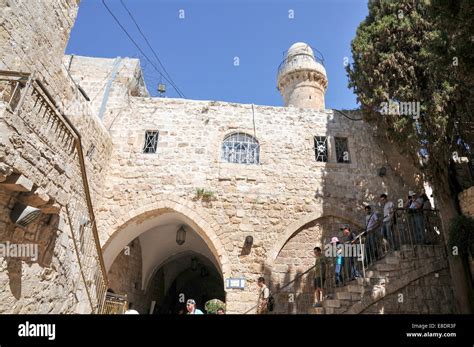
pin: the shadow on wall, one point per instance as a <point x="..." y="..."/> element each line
<point x="344" y="189"/>
<point x="33" y="244"/>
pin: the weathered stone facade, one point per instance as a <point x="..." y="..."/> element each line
<point x="466" y="200"/>
<point x="38" y="147"/>
<point x="288" y="202"/>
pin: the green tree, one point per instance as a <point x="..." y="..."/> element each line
<point x="415" y="52"/>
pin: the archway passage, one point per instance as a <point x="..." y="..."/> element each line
<point x="187" y="276"/>
<point x="157" y="273"/>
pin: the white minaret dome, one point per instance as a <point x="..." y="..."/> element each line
<point x="302" y="79"/>
<point x="300" y="47"/>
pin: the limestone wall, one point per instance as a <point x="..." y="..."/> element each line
<point x="466" y="200"/>
<point x="430" y="294"/>
<point x="37" y="148"/>
<point x="125" y="276"/>
<point x="269" y="201"/>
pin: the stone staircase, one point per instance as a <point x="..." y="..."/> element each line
<point x="388" y="275"/>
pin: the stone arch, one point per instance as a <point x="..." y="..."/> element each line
<point x="195" y="216"/>
<point x="293" y="227"/>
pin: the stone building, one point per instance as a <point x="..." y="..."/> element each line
<point x="164" y="199"/>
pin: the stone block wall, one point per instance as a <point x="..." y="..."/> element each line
<point x="430" y="294"/>
<point x="37" y="149"/>
<point x="269" y="201"/>
<point x="466" y="200"/>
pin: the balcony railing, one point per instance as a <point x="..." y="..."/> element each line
<point x="27" y="98"/>
<point x="288" y="62"/>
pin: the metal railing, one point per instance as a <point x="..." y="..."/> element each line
<point x="410" y="232"/>
<point x="407" y="231"/>
<point x="288" y="61"/>
<point x="115" y="304"/>
<point x="28" y="98"/>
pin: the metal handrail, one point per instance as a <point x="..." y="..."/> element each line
<point x="284" y="286"/>
<point x="409" y="239"/>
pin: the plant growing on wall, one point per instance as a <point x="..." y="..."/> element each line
<point x="204" y="195"/>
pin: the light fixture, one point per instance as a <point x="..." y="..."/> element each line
<point x="161" y="89"/>
<point x="181" y="235"/>
<point x="23" y="215"/>
<point x="249" y="240"/>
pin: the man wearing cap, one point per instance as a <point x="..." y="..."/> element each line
<point x="191" y="307"/>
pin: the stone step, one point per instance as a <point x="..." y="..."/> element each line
<point x="390" y="260"/>
<point x="373" y="274"/>
<point x="332" y="303"/>
<point x="329" y="310"/>
<point x="386" y="267"/>
<point x="316" y="310"/>
<point x="344" y="296"/>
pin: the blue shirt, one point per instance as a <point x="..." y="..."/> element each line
<point x="196" y="311"/>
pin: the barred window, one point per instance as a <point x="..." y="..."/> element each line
<point x="240" y="148"/>
<point x="151" y="141"/>
<point x="342" y="150"/>
<point x="321" y="148"/>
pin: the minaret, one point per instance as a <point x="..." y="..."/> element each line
<point x="302" y="80"/>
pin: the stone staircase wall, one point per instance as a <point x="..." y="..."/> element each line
<point x="412" y="280"/>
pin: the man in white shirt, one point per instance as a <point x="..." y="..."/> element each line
<point x="387" y="222"/>
<point x="191" y="307"/>
<point x="264" y="295"/>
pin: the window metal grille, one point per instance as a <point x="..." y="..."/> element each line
<point x="151" y="141"/>
<point x="321" y="148"/>
<point x="240" y="148"/>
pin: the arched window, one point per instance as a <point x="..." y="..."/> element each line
<point x="240" y="148"/>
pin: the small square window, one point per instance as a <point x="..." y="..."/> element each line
<point x="321" y="148"/>
<point x="151" y="141"/>
<point x="342" y="150"/>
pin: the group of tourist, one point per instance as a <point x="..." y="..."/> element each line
<point x="379" y="230"/>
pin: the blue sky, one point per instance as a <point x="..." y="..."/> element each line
<point x="199" y="50"/>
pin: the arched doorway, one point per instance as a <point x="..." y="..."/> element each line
<point x="187" y="275"/>
<point x="157" y="273"/>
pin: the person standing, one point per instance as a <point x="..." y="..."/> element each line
<point x="191" y="307"/>
<point x="387" y="221"/>
<point x="371" y="244"/>
<point x="338" y="247"/>
<point x="348" y="239"/>
<point x="416" y="211"/>
<point x="263" y="296"/>
<point x="319" y="276"/>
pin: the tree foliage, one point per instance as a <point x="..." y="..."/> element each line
<point x="421" y="52"/>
